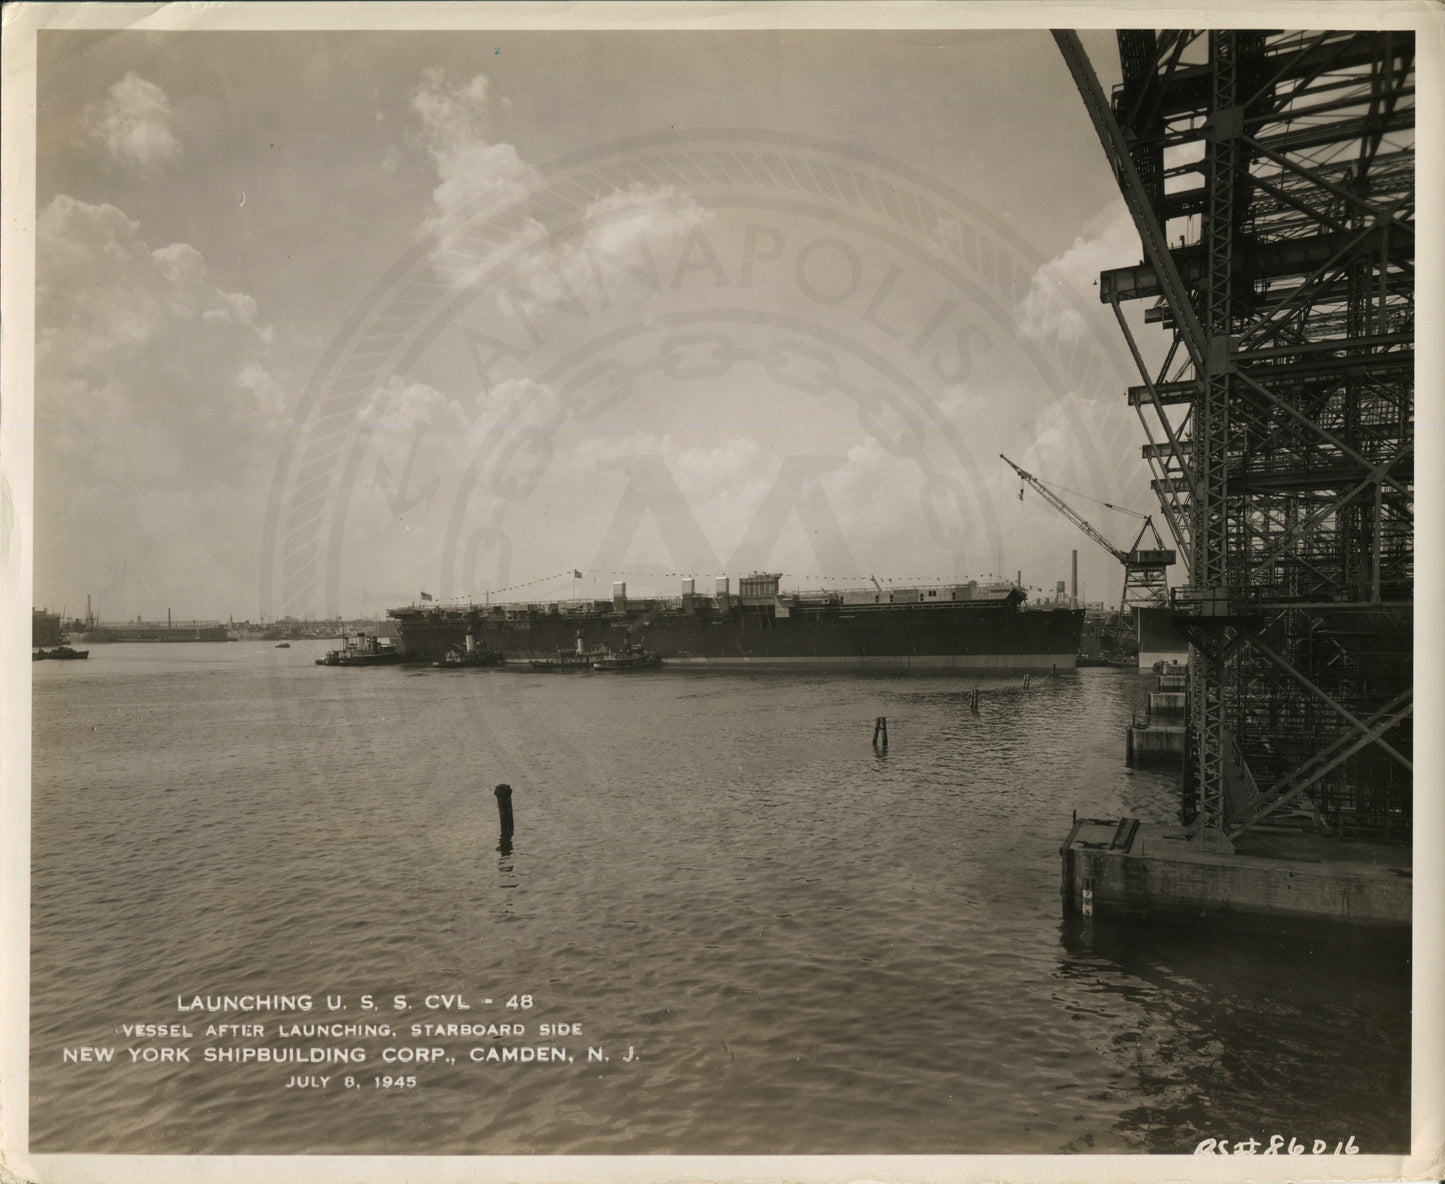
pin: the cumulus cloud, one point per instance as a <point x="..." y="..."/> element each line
<point x="156" y="417"/>
<point x="1062" y="440"/>
<point x="456" y="130"/>
<point x="659" y="214"/>
<point x="610" y="256"/>
<point x="735" y="467"/>
<point x="1068" y="283"/>
<point x="965" y="406"/>
<point x="147" y="322"/>
<point x="134" y="123"/>
<point x="612" y="262"/>
<point x="814" y="517"/>
<point x="400" y="412"/>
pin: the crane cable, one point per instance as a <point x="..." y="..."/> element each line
<point x="1097" y="501"/>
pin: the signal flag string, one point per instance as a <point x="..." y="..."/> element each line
<point x="575" y="574"/>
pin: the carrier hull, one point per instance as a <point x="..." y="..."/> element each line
<point x="778" y="634"/>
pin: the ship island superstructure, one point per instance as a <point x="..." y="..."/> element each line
<point x="964" y="625"/>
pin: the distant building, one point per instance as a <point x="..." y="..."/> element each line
<point x="45" y="628"/>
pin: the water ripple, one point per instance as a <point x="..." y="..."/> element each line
<point x="808" y="948"/>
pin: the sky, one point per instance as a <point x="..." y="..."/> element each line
<point x="328" y="320"/>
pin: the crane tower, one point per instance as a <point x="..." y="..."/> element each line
<point x="1145" y="568"/>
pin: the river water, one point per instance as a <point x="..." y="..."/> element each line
<point x="773" y="939"/>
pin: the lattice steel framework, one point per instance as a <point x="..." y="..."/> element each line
<point x="1271" y="178"/>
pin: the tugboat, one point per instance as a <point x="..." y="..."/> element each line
<point x="456" y="659"/>
<point x="365" y="649"/>
<point x="629" y="657"/>
<point x="61" y="653"/>
<point x="577" y="658"/>
<point x="565" y="660"/>
<point x="1107" y="660"/>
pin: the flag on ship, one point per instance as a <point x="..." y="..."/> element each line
<point x="426" y="595"/>
<point x="576" y="575"/>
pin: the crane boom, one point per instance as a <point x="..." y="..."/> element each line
<point x="1067" y="511"/>
<point x="1146" y="583"/>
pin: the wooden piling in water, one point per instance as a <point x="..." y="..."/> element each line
<point x="504" y="809"/>
<point x="880" y="733"/>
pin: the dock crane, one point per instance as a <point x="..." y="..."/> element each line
<point x="1145" y="568"/>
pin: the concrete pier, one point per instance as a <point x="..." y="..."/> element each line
<point x="1129" y="869"/>
<point x="1159" y="740"/>
<point x="1171" y="676"/>
<point x="1166" y="705"/>
<point x="1155" y="744"/>
<point x="1159" y="641"/>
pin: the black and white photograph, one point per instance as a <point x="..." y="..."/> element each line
<point x="720" y="591"/>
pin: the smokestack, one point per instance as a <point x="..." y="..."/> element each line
<point x="1074" y="587"/>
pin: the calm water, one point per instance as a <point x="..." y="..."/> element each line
<point x="804" y="947"/>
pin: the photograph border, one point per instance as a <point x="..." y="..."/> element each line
<point x="17" y="266"/>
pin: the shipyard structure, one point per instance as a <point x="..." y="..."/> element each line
<point x="951" y="626"/>
<point x="139" y="630"/>
<point x="45" y="628"/>
<point x="1271" y="178"/>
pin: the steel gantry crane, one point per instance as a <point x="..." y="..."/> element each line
<point x="1145" y="568"/>
<point x="1271" y="178"/>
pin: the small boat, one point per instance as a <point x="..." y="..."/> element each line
<point x="365" y="649"/>
<point x="630" y="657"/>
<point x="458" y="659"/>
<point x="283" y="645"/>
<point x="567" y="660"/>
<point x="579" y="657"/>
<point x="61" y="653"/>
